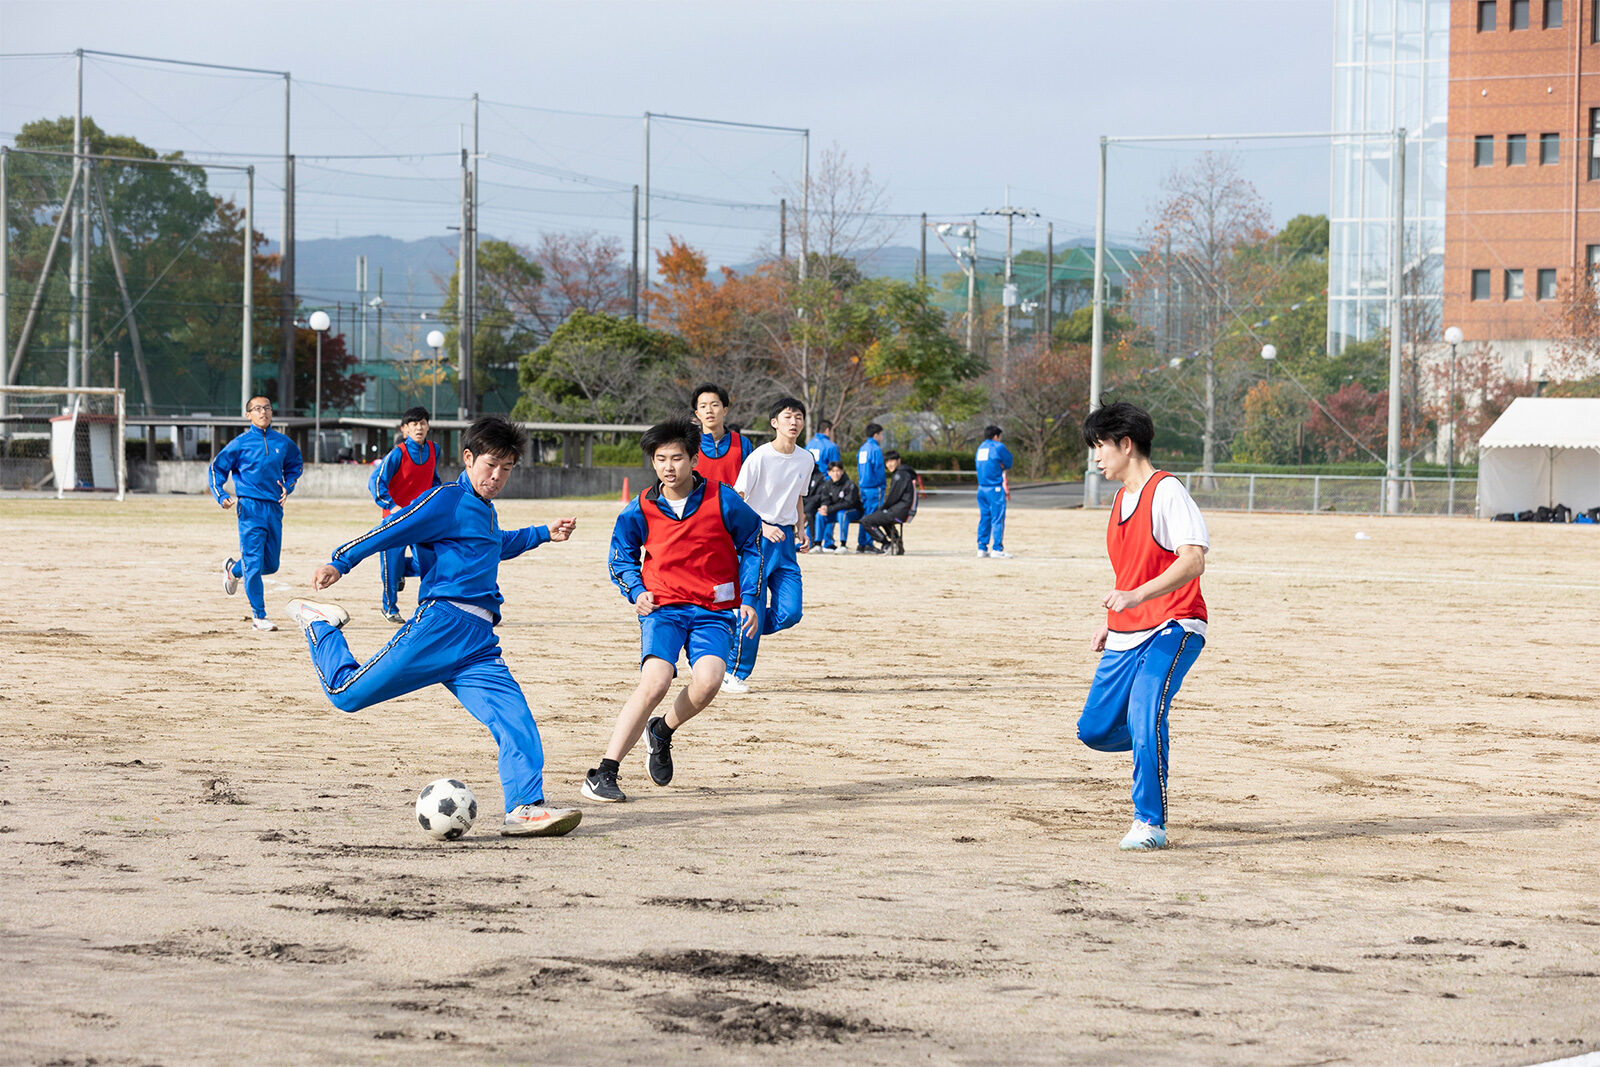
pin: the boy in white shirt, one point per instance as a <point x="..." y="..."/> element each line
<point x="773" y="481"/>
<point x="1155" y="617"/>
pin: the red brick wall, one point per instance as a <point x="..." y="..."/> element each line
<point x="1532" y="216"/>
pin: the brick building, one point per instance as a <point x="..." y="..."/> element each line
<point x="1522" y="210"/>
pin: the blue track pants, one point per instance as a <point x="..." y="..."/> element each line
<point x="992" y="517"/>
<point x="446" y="646"/>
<point x="822" y="527"/>
<point x="394" y="564"/>
<point x="260" y="541"/>
<point x="871" y="500"/>
<point x="779" y="605"/>
<point x="1128" y="705"/>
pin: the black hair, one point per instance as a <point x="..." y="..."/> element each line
<point x="1115" y="421"/>
<point x="708" y="387"/>
<point x="873" y="428"/>
<point x="416" y="414"/>
<point x="891" y="454"/>
<point x="825" y="426"/>
<point x="832" y="463"/>
<point x="491" y="435"/>
<point x="782" y="404"/>
<point x="991" y="431"/>
<point x="681" y="431"/>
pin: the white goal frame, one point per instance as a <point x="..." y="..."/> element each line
<point x="73" y="413"/>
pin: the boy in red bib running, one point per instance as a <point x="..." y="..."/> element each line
<point x="403" y="475"/>
<point x="687" y="555"/>
<point x="1155" y="617"/>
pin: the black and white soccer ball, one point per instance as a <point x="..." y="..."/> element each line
<point x="446" y="809"/>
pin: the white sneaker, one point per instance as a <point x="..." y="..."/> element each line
<point x="394" y="616"/>
<point x="263" y="624"/>
<point x="305" y="612"/>
<point x="230" y="584"/>
<point x="732" y="683"/>
<point x="982" y="553"/>
<point x="999" y="553"/>
<point x="529" y="820"/>
<point x="1144" y="838"/>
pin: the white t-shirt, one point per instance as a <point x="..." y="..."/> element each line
<point x="1175" y="520"/>
<point x="773" y="483"/>
<point x="677" y="506"/>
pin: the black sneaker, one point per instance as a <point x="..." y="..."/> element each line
<point x="871" y="550"/>
<point x="659" y="762"/>
<point x="601" y="785"/>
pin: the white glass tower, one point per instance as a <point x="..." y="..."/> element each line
<point x="1390" y="71"/>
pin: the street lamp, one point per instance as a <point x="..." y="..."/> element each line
<point x="1269" y="353"/>
<point x="319" y="323"/>
<point x="1452" y="337"/>
<point x="435" y="342"/>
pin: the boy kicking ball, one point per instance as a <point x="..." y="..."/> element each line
<point x="450" y="640"/>
<point x="687" y="555"/>
<point x="1155" y="617"/>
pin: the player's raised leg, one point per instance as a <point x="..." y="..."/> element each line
<point x="486" y="689"/>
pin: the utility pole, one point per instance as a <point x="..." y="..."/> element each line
<point x="972" y="280"/>
<point x="286" y="397"/>
<point x="5" y="291"/>
<point x="88" y="246"/>
<point x="1397" y="171"/>
<point x="247" y="335"/>
<point x="361" y="305"/>
<point x="633" y="276"/>
<point x="1049" y="282"/>
<point x="644" y="273"/>
<point x="922" y="251"/>
<point x="1008" y="296"/>
<point x="1091" y="474"/>
<point x="463" y="323"/>
<point x="783" y="230"/>
<point x="74" y="243"/>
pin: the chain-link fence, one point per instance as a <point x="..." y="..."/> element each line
<point x="1353" y="494"/>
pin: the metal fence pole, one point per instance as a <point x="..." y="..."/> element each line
<point x="1450" y="497"/>
<point x="1250" y="500"/>
<point x="1316" y="492"/>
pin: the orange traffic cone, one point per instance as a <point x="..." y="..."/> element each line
<point x="624" y="488"/>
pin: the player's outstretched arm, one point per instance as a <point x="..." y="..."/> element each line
<point x="222" y="465"/>
<point x="429" y="518"/>
<point x="562" y="529"/>
<point x="325" y="576"/>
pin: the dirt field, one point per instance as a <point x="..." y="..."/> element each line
<point x="1383" y="789"/>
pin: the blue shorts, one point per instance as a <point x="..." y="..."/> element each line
<point x="690" y="628"/>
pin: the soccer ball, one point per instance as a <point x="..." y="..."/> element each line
<point x="446" y="809"/>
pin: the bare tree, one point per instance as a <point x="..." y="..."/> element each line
<point x="1209" y="215"/>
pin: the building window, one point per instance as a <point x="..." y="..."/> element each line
<point x="1594" y="261"/>
<point x="1513" y="287"/>
<point x="1483" y="149"/>
<point x="1547" y="283"/>
<point x="1516" y="150"/>
<point x="1520" y="12"/>
<point x="1594" y="141"/>
<point x="1480" y="283"/>
<point x="1552" y="14"/>
<point x="1549" y="149"/>
<point x="1486" y="15"/>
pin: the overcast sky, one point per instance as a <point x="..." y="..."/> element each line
<point x="948" y="103"/>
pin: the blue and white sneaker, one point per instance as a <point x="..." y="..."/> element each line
<point x="1144" y="838"/>
<point x="230" y="584"/>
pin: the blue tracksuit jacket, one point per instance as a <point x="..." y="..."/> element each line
<point x="459" y="544"/>
<point x="264" y="464"/>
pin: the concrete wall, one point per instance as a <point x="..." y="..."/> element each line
<point x="348" y="481"/>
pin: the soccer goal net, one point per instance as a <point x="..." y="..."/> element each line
<point x="70" y="440"/>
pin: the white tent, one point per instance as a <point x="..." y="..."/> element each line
<point x="1541" y="452"/>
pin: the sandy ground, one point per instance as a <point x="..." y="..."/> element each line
<point x="893" y="850"/>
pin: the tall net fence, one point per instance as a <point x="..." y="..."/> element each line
<point x="378" y="190"/>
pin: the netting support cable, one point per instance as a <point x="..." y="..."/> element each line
<point x="122" y="287"/>
<point x="44" y="278"/>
